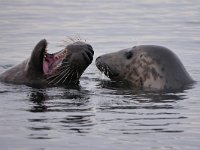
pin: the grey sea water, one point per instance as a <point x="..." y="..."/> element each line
<point x="101" y="114"/>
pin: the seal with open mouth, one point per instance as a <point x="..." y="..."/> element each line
<point x="59" y="69"/>
<point x="145" y="66"/>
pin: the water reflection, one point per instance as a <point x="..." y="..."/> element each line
<point x="142" y="111"/>
<point x="140" y="99"/>
<point x="38" y="99"/>
<point x="78" y="116"/>
<point x="44" y="100"/>
<point x="126" y="89"/>
<point x="115" y="117"/>
<point x="78" y="123"/>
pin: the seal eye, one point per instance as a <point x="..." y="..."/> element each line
<point x="129" y="54"/>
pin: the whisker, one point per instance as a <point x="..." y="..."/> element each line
<point x="104" y="70"/>
<point x="77" y="74"/>
<point x="53" y="76"/>
<point x="71" y="78"/>
<point x="78" y="37"/>
<point x="63" y="66"/>
<point x="66" y="77"/>
<point x="66" y="73"/>
<point x="63" y="72"/>
<point x="66" y="63"/>
<point x="60" y="71"/>
<point x="71" y="39"/>
<point x="108" y="70"/>
<point x="60" y="79"/>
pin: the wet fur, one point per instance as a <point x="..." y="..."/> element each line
<point x="153" y="67"/>
<point x="30" y="72"/>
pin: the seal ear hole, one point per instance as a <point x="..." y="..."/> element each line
<point x="128" y="54"/>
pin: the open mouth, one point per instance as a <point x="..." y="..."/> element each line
<point x="53" y="61"/>
<point x="63" y="67"/>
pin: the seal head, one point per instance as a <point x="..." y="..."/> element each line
<point x="145" y="66"/>
<point x="44" y="69"/>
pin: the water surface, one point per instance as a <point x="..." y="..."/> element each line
<point x="100" y="114"/>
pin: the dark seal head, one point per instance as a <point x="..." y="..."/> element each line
<point x="59" y="69"/>
<point x="145" y="66"/>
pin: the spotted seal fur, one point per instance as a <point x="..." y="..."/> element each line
<point x="145" y="66"/>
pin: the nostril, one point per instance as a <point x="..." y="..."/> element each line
<point x="90" y="48"/>
<point x="98" y="58"/>
<point x="90" y="56"/>
<point x="87" y="56"/>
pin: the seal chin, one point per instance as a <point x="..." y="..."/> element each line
<point x="107" y="70"/>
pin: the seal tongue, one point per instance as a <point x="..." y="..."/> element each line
<point x="45" y="67"/>
<point x="49" y="63"/>
<point x="52" y="61"/>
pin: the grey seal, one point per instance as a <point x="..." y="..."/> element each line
<point x="43" y="69"/>
<point x="145" y="66"/>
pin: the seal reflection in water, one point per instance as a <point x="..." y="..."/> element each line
<point x="59" y="69"/>
<point x="145" y="66"/>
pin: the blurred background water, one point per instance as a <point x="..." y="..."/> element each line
<point x="101" y="114"/>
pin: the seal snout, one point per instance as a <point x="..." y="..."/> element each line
<point x="88" y="54"/>
<point x="90" y="49"/>
<point x="98" y="58"/>
<point x="105" y="68"/>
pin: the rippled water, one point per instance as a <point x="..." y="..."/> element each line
<point x="101" y="114"/>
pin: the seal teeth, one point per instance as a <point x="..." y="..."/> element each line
<point x="62" y="54"/>
<point x="45" y="53"/>
<point x="65" y="51"/>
